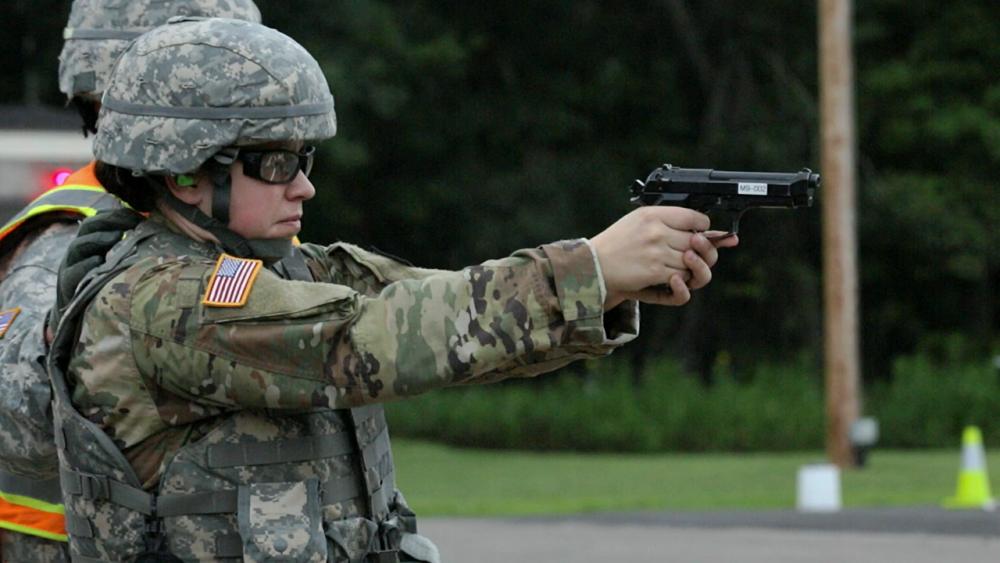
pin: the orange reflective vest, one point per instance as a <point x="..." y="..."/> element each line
<point x="32" y="507"/>
<point x="81" y="194"/>
<point x="27" y="505"/>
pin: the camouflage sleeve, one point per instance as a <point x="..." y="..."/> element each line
<point x="302" y="345"/>
<point x="364" y="271"/>
<point x="369" y="272"/>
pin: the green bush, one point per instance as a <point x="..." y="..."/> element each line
<point x="777" y="409"/>
<point x="930" y="398"/>
<point x="929" y="401"/>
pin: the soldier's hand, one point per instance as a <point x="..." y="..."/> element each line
<point x="652" y="255"/>
<point x="97" y="235"/>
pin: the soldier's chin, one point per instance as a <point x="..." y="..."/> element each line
<point x="286" y="229"/>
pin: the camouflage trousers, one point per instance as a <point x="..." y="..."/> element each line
<point x="24" y="548"/>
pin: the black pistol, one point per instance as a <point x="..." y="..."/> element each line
<point x="732" y="193"/>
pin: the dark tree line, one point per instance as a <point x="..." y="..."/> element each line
<point x="468" y="130"/>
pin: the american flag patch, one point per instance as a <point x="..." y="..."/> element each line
<point x="230" y="284"/>
<point x="7" y="319"/>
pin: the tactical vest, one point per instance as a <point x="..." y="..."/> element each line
<point x="30" y="501"/>
<point x="311" y="487"/>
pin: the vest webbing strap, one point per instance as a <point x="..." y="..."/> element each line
<point x="100" y="487"/>
<point x="44" y="490"/>
<point x="81" y="199"/>
<point x="302" y="449"/>
<point x="376" y="458"/>
<point x="279" y="451"/>
<point x="335" y="491"/>
<point x="230" y="545"/>
<point x="375" y="451"/>
<point x="366" y="413"/>
<point x="78" y="526"/>
<point x="294" y="266"/>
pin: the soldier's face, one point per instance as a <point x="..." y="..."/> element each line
<point x="258" y="210"/>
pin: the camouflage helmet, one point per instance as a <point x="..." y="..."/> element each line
<point x="99" y="30"/>
<point x="197" y="86"/>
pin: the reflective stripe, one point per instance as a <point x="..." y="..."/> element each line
<point x="45" y="490"/>
<point x="32" y="517"/>
<point x="81" y="199"/>
<point x="264" y="112"/>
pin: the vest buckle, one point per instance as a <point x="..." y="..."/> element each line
<point x="154" y="527"/>
<point x="94" y="487"/>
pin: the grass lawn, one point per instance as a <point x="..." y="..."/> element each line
<point x="439" y="480"/>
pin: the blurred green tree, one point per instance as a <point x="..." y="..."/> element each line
<point x="470" y="130"/>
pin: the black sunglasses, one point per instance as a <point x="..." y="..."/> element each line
<point x="277" y="166"/>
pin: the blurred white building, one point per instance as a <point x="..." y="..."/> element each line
<point x="39" y="147"/>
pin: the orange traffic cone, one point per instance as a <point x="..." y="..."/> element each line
<point x="973" y="490"/>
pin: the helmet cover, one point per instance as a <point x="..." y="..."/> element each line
<point x="99" y="30"/>
<point x="196" y="86"/>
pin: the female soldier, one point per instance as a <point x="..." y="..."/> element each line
<point x="212" y="404"/>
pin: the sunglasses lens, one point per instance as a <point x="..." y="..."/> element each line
<point x="278" y="167"/>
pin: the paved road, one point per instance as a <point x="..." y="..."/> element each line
<point x="859" y="536"/>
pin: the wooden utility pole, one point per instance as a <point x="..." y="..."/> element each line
<point x="840" y="271"/>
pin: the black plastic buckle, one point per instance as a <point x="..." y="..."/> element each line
<point x="94" y="487"/>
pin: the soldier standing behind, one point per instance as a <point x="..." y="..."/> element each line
<point x="32" y="243"/>
<point x="208" y="407"/>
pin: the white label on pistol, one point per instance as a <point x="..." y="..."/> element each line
<point x="752" y="188"/>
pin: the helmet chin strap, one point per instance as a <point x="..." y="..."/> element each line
<point x="268" y="250"/>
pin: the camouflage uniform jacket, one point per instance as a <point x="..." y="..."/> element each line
<point x="32" y="243"/>
<point x="158" y="371"/>
<point x="29" y="284"/>
<point x="152" y="362"/>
